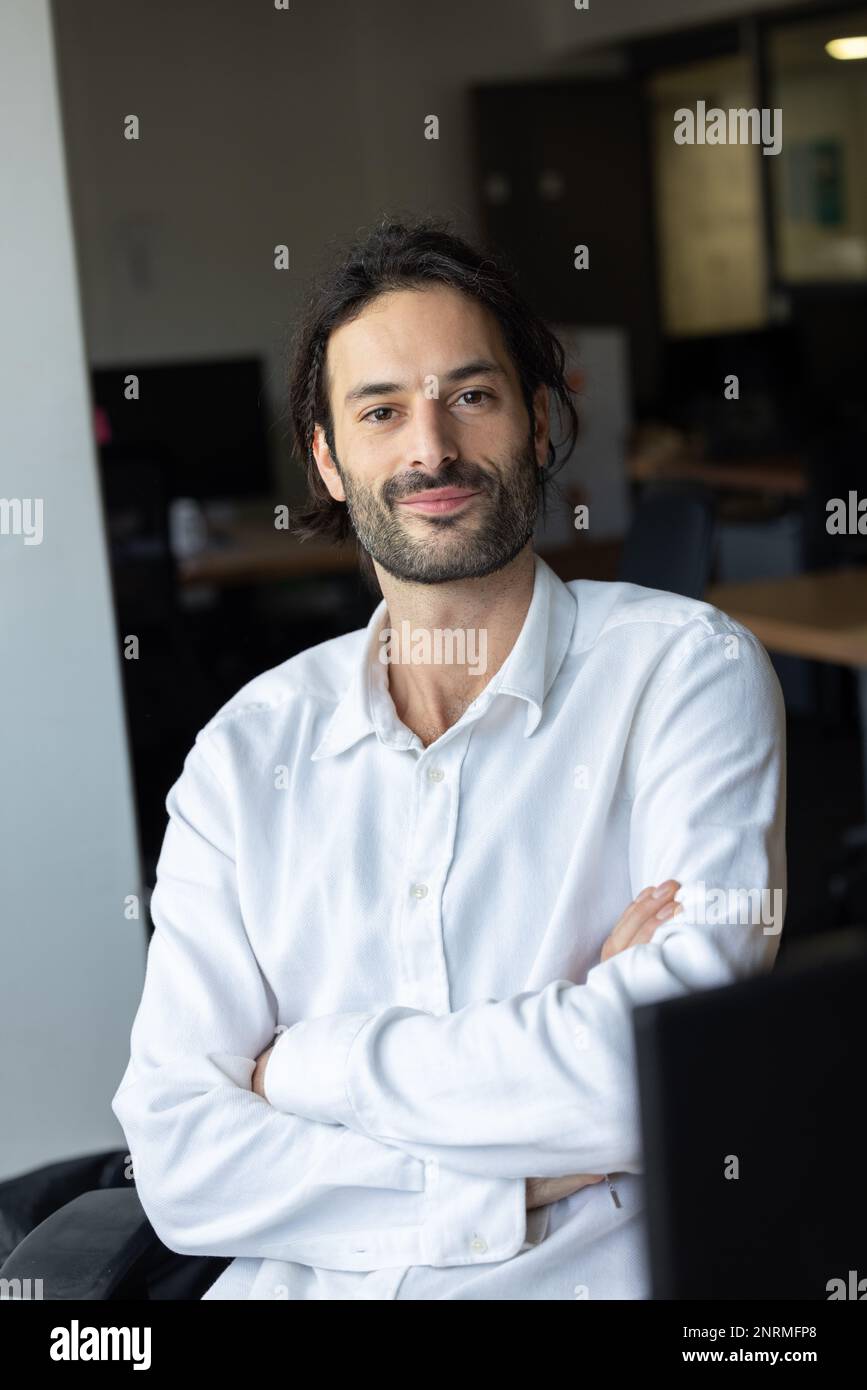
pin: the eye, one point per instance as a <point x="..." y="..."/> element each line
<point x="376" y="411"/>
<point x="475" y="391"/>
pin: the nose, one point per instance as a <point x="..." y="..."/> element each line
<point x="432" y="439"/>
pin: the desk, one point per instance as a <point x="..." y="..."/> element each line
<point x="821" y="616"/>
<point x="255" y="552"/>
<point x="784" y="476"/>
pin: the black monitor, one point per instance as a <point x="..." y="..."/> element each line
<point x="768" y="1074"/>
<point x="771" y="411"/>
<point x="209" y="417"/>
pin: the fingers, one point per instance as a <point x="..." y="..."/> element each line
<point x="541" y="1191"/>
<point x="652" y="907"/>
<point x="639" y="913"/>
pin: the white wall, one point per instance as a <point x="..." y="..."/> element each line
<point x="72" y="965"/>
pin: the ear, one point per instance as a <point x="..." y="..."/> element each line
<point x="325" y="464"/>
<point x="541" y="424"/>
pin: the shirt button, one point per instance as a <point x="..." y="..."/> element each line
<point x="479" y="1245"/>
<point x="435" y="774"/>
<point x="419" y="890"/>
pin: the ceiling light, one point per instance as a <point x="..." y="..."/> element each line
<point x="847" y="48"/>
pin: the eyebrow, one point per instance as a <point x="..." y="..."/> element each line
<point x="480" y="366"/>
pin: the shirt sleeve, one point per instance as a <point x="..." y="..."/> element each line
<point x="218" y="1170"/>
<point x="545" y="1082"/>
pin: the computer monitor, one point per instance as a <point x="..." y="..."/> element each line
<point x="209" y="416"/>
<point x="771" y="410"/>
<point x="763" y="1078"/>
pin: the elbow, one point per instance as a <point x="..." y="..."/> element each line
<point x="168" y="1190"/>
<point x="172" y="1214"/>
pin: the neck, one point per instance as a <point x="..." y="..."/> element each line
<point x="448" y="640"/>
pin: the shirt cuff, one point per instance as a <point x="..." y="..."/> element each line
<point x="471" y="1219"/>
<point x="306" y="1070"/>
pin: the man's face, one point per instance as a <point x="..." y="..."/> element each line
<point x="435" y="456"/>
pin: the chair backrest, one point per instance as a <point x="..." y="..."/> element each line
<point x="670" y="541"/>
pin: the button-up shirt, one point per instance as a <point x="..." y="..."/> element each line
<point x="421" y="927"/>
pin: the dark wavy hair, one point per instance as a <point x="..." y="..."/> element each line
<point x="399" y="255"/>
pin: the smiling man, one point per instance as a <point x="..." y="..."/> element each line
<point x="443" y="884"/>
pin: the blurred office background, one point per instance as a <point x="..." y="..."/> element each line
<point x="261" y="127"/>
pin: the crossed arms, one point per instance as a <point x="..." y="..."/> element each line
<point x="389" y="1139"/>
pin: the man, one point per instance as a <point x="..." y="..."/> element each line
<point x="444" y="856"/>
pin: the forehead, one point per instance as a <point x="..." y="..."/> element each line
<point x="406" y="335"/>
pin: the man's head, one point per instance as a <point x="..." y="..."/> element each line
<point x="419" y="397"/>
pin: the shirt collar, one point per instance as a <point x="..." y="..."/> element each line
<point x="527" y="673"/>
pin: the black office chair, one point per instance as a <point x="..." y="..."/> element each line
<point x="101" y="1246"/>
<point x="670" y="542"/>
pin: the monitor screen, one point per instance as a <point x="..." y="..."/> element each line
<point x="767" y="415"/>
<point x="210" y="416"/>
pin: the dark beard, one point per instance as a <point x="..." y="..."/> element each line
<point x="510" y="501"/>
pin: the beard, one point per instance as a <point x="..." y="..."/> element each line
<point x="467" y="545"/>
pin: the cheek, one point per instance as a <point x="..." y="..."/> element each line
<point x="491" y="437"/>
<point x="364" y="487"/>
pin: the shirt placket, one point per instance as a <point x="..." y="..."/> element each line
<point x="436" y="797"/>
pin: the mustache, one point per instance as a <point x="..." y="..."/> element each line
<point x="457" y="474"/>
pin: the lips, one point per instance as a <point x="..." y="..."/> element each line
<point x="440" y="499"/>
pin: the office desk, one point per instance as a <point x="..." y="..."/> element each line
<point x="256" y="553"/>
<point x="783" y="476"/>
<point x="821" y="616"/>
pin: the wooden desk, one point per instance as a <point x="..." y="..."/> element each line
<point x="821" y="616"/>
<point x="257" y="553"/>
<point x="783" y="476"/>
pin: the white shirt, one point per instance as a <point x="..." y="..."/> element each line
<point x="425" y="926"/>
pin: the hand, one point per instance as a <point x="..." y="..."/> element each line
<point x="257" y="1081"/>
<point x="636" y="925"/>
<point x="651" y="908"/>
<point x="541" y="1191"/>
